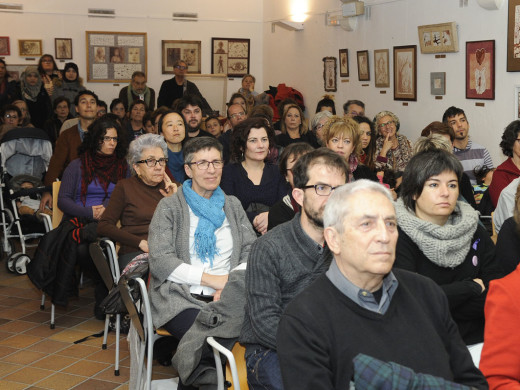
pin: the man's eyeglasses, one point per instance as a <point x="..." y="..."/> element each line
<point x="321" y="189"/>
<point x="14" y="116"/>
<point x="204" y="165"/>
<point x="152" y="162"/>
<point x="181" y="67"/>
<point x="237" y="115"/>
<point x="106" y="138"/>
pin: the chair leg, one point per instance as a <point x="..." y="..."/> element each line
<point x="105" y="336"/>
<point x="52" y="316"/>
<point x="140" y="359"/>
<point x="42" y="305"/>
<point x="118" y="323"/>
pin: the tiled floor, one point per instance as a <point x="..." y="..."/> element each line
<point x="32" y="356"/>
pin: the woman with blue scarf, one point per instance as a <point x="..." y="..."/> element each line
<point x="196" y="238"/>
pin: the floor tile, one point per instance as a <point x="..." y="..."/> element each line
<point x="53" y="362"/>
<point x="78" y="351"/>
<point x="28" y="375"/>
<point x="61" y="381"/>
<point x="48" y="346"/>
<point x="20" y="341"/>
<point x="96" y="384"/>
<point x="86" y="368"/>
<point x="17" y="326"/>
<point x="108" y="375"/>
<point x="24" y="357"/>
<point x="7" y="368"/>
<point x="9" y="385"/>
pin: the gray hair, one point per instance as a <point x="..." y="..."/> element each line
<point x="382" y="114"/>
<point x="337" y="206"/>
<point x="145" y="141"/>
<point x="200" y="143"/>
<point x="318" y="117"/>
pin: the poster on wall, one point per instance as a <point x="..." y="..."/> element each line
<point x="329" y="74"/>
<point x="405" y="73"/>
<point x="513" y="36"/>
<point x="230" y="56"/>
<point x="112" y="57"/>
<point x="188" y="51"/>
<point x="480" y="70"/>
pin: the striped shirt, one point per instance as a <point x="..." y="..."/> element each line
<point x="473" y="156"/>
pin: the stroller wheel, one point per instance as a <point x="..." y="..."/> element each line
<point x="10" y="262"/>
<point x="20" y="264"/>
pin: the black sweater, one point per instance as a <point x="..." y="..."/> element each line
<point x="464" y="295"/>
<point x="322" y="331"/>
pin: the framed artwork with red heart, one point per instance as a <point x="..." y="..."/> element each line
<point x="480" y="70"/>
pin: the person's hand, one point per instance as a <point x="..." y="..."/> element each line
<point x="143" y="245"/>
<point x="170" y="187"/>
<point x="97" y="211"/>
<point x="216" y="282"/>
<point x="480" y="283"/>
<point x="216" y="296"/>
<point x="260" y="222"/>
<point x="46" y="201"/>
<point x="387" y="145"/>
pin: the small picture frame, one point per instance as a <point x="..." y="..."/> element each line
<point x="438" y="83"/>
<point x="382" y="68"/>
<point x="480" y="70"/>
<point x="230" y="56"/>
<point x="188" y="51"/>
<point x="438" y="38"/>
<point x="5" y="49"/>
<point x="30" y="47"/>
<point x="63" y="48"/>
<point x="330" y="74"/>
<point x="363" y="66"/>
<point x="517" y="102"/>
<point x="513" y="36"/>
<point x="405" y="73"/>
<point x="343" y="63"/>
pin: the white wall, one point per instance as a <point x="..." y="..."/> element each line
<point x="51" y="19"/>
<point x="296" y="59"/>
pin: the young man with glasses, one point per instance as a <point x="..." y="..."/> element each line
<point x="285" y="261"/>
<point x="178" y="87"/>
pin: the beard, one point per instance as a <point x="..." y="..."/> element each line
<point x="193" y="129"/>
<point x="314" y="216"/>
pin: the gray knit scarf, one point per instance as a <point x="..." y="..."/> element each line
<point x="30" y="92"/>
<point x="448" y="245"/>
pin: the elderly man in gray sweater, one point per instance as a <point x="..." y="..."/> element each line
<point x="285" y="261"/>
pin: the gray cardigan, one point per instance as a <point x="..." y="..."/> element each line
<point x="168" y="241"/>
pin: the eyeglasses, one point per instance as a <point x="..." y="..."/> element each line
<point x="204" y="165"/>
<point x="321" y="189"/>
<point x="181" y="67"/>
<point x="319" y="126"/>
<point x="237" y="115"/>
<point x="386" y="124"/>
<point x="106" y="138"/>
<point x="152" y="162"/>
<point x="14" y="116"/>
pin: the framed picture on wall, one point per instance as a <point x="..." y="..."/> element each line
<point x="517" y="102"/>
<point x="438" y="38"/>
<point x="513" y="36"/>
<point x="329" y="74"/>
<point x="343" y="63"/>
<point x="382" y="68"/>
<point x="5" y="49"/>
<point x="188" y="51"/>
<point x="438" y="83"/>
<point x="30" y="47"/>
<point x="63" y="48"/>
<point x="480" y="70"/>
<point x="112" y="57"/>
<point x="15" y="71"/>
<point x="405" y="73"/>
<point x="230" y="56"/>
<point x="363" y="67"/>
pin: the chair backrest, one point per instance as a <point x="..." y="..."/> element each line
<point x="132" y="306"/>
<point x="57" y="214"/>
<point x="236" y="372"/>
<point x="239" y="352"/>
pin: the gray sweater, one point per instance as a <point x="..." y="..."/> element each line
<point x="168" y="241"/>
<point x="281" y="264"/>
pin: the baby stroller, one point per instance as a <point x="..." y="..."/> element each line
<point x="24" y="157"/>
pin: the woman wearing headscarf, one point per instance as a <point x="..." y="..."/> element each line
<point x="69" y="86"/>
<point x="35" y="96"/>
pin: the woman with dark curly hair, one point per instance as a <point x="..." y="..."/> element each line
<point x="368" y="142"/>
<point x="89" y="180"/>
<point x="257" y="184"/>
<point x="48" y="71"/>
<point x="509" y="169"/>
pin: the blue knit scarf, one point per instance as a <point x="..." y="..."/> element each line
<point x="211" y="217"/>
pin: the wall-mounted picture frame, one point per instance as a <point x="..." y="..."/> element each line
<point x="438" y="38"/>
<point x="517" y="102"/>
<point x="343" y="63"/>
<point x="112" y="57"/>
<point x="5" y="48"/>
<point x="405" y="73"/>
<point x="363" y="66"/>
<point x="30" y="47"/>
<point x="438" y="83"/>
<point x="230" y="56"/>
<point x="15" y="70"/>
<point x="480" y="70"/>
<point x="513" y="36"/>
<point x="188" y="51"/>
<point x="63" y="48"/>
<point x="330" y="74"/>
<point x="382" y="68"/>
